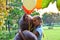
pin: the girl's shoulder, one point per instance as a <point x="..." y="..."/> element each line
<point x="17" y="37"/>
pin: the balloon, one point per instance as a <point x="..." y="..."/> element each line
<point x="29" y="5"/>
<point x="39" y="4"/>
<point x="27" y="11"/>
<point x="58" y="4"/>
<point x="45" y="3"/>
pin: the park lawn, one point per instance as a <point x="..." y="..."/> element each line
<point x="52" y="34"/>
<point x="49" y="34"/>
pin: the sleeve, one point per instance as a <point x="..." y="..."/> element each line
<point x="39" y="30"/>
<point x="30" y="35"/>
<point x="17" y="37"/>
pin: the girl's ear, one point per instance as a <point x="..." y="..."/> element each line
<point x="40" y="21"/>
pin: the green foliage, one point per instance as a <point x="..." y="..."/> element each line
<point x="35" y="13"/>
<point x="15" y="1"/>
<point x="45" y="16"/>
<point x="5" y="35"/>
<point x="51" y="18"/>
<point x="16" y="4"/>
<point x="15" y="14"/>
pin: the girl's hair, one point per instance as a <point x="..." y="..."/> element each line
<point x="38" y="18"/>
<point x="24" y="17"/>
<point x="24" y="24"/>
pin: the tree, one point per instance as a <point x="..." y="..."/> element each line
<point x="48" y="19"/>
<point x="3" y="12"/>
<point x="14" y="12"/>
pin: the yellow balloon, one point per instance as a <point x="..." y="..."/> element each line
<point x="29" y="4"/>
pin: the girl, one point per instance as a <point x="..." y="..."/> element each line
<point x="24" y="34"/>
<point x="37" y="21"/>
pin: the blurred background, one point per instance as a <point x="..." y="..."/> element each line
<point x="11" y="11"/>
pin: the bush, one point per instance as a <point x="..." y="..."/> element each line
<point x="6" y="35"/>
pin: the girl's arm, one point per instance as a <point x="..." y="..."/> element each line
<point x="36" y="33"/>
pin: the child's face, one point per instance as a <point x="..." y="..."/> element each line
<point x="27" y="18"/>
<point x="36" y="22"/>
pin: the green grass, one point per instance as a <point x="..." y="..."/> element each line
<point x="52" y="34"/>
<point x="49" y="34"/>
